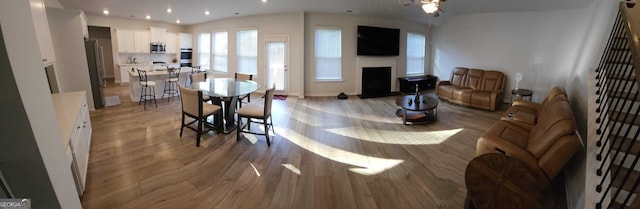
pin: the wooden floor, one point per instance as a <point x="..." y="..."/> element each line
<point x="327" y="153"/>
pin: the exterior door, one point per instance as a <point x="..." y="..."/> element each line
<point x="277" y="54"/>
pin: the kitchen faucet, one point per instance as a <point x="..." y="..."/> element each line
<point x="134" y="60"/>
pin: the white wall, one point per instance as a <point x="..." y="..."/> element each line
<point x="541" y="45"/>
<point x="287" y="24"/>
<point x="349" y="25"/>
<point x="550" y="48"/>
<point x="114" y="22"/>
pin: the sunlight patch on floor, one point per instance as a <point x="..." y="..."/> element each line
<point x="397" y="137"/>
<point x="292" y="168"/>
<point x="368" y="165"/>
<point x="255" y="169"/>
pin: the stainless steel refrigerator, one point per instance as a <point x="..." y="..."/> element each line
<point x="95" y="60"/>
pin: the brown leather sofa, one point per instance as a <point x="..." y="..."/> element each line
<point x="473" y="87"/>
<point x="546" y="145"/>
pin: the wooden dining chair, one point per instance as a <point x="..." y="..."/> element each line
<point x="195" y="107"/>
<point x="257" y="113"/>
<point x="199" y="77"/>
<point x="244" y="77"/>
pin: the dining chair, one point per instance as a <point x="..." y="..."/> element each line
<point x="148" y="89"/>
<point x="257" y="113"/>
<point x="244" y="77"/>
<point x="199" y="77"/>
<point x="195" y="107"/>
<point x="171" y="83"/>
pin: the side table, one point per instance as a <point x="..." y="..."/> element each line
<point x="521" y="93"/>
<point x="497" y="181"/>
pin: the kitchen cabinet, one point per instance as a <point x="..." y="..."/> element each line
<point x="185" y="40"/>
<point x="125" y="41"/>
<point x="43" y="34"/>
<point x="141" y="40"/>
<point x="133" y="41"/>
<point x="158" y="35"/>
<point x="172" y="43"/>
<point x="72" y="114"/>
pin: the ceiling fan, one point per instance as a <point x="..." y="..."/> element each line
<point x="428" y="6"/>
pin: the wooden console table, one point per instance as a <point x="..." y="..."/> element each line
<point x="497" y="181"/>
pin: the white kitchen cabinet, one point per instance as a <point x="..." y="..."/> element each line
<point x="172" y="43"/>
<point x="124" y="74"/>
<point x="133" y="41"/>
<point x="43" y="34"/>
<point x="158" y="35"/>
<point x="125" y="41"/>
<point x="141" y="40"/>
<point x="72" y="113"/>
<point x="185" y="40"/>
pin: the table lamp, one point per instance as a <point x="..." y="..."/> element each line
<point x="518" y="79"/>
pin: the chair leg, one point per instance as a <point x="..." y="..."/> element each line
<point x="182" y="126"/>
<point x="164" y="91"/>
<point x="239" y="128"/>
<point x="266" y="132"/>
<point x="141" y="94"/>
<point x="199" y="132"/>
<point x="154" y="96"/>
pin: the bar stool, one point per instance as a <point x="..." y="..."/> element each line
<point x="148" y="91"/>
<point x="194" y="70"/>
<point x="171" y="83"/>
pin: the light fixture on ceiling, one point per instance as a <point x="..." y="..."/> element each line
<point x="169" y="10"/>
<point x="264" y="1"/>
<point x="430" y="6"/>
<point x="206" y="12"/>
<point x="106" y="12"/>
<point x="178" y="21"/>
<point x="148" y="17"/>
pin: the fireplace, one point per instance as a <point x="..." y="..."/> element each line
<point x="376" y="82"/>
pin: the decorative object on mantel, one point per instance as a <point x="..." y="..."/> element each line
<point x="518" y="79"/>
<point x="342" y="95"/>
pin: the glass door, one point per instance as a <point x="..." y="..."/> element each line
<point x="277" y="63"/>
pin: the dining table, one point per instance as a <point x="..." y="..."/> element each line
<point x="225" y="92"/>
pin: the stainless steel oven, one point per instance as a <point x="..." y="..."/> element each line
<point x="186" y="57"/>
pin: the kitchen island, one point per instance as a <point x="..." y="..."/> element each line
<point x="157" y="76"/>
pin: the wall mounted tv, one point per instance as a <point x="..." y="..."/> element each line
<point x="374" y="41"/>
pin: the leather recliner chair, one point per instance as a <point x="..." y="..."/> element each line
<point x="545" y="147"/>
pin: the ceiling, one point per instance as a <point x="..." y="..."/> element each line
<point x="191" y="12"/>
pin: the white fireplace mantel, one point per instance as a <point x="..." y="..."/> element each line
<point x="375" y="62"/>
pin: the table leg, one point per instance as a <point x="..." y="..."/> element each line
<point x="229" y="114"/>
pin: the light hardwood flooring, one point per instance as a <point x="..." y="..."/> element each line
<point x="327" y="153"/>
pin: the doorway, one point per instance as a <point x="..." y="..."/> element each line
<point x="277" y="56"/>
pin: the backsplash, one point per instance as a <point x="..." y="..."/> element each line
<point x="142" y="58"/>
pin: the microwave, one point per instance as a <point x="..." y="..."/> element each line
<point x="158" y="48"/>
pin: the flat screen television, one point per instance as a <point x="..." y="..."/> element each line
<point x="375" y="41"/>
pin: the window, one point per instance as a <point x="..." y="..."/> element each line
<point x="220" y="51"/>
<point x="415" y="54"/>
<point x="248" y="52"/>
<point x="328" y="53"/>
<point x="204" y="50"/>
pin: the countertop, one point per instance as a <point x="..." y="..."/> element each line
<point x="158" y="72"/>
<point x="135" y="64"/>
<point x="67" y="106"/>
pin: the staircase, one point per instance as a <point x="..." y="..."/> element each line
<point x="618" y="122"/>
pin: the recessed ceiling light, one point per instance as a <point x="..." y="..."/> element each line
<point x="148" y="17"/>
<point x="169" y="10"/>
<point x="106" y="12"/>
<point x="264" y="1"/>
<point x="178" y="21"/>
<point x="206" y="12"/>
